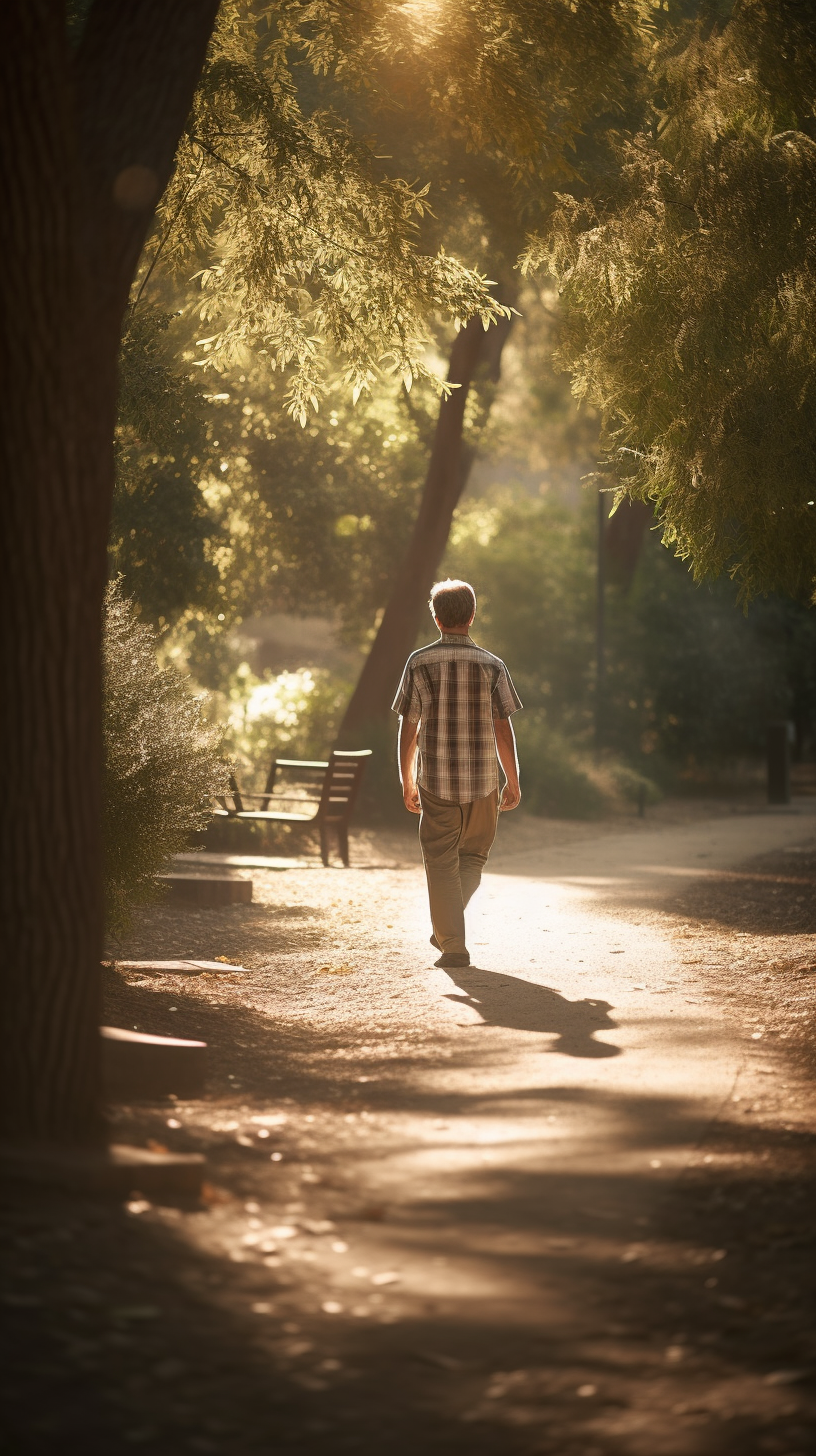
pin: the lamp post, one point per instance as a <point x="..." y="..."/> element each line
<point x="600" y="626"/>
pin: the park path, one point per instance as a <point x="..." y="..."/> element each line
<point x="558" y="1204"/>
<point x="533" y="1206"/>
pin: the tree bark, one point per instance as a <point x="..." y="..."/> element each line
<point x="88" y="145"/>
<point x="624" y="540"/>
<point x="474" y="349"/>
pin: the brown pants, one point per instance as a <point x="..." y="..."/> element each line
<point x="455" y="841"/>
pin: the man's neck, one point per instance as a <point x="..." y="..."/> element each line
<point x="453" y="631"/>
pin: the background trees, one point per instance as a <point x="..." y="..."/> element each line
<point x="688" y="279"/>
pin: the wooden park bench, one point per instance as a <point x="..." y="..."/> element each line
<point x="321" y="793"/>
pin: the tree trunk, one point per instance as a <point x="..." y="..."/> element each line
<point x="474" y="349"/>
<point x="624" y="540"/>
<point x="88" y="148"/>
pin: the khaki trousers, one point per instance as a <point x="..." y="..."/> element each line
<point x="455" y="840"/>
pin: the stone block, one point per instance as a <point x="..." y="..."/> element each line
<point x="116" y="1170"/>
<point x="138" y="1066"/>
<point x="206" y="892"/>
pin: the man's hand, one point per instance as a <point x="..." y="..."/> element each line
<point x="511" y="797"/>
<point x="508" y="758"/>
<point x="410" y="798"/>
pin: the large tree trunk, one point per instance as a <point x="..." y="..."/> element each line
<point x="88" y="145"/>
<point x="474" y="349"/>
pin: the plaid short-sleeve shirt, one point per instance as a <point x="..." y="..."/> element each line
<point x="455" y="690"/>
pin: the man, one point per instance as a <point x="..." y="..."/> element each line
<point x="454" y="703"/>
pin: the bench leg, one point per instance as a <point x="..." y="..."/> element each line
<point x="324" y="845"/>
<point x="342" y="836"/>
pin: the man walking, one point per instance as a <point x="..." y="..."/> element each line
<point x="454" y="703"/>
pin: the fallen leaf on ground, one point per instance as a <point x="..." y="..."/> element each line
<point x="343" y="970"/>
<point x="211" y="1194"/>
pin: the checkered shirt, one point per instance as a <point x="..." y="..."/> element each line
<point x="455" y="690"/>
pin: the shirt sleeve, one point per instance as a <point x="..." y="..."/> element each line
<point x="408" y="703"/>
<point x="506" y="700"/>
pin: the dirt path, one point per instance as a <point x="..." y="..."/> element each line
<point x="558" y="1203"/>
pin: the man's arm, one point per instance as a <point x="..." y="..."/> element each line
<point x="508" y="758"/>
<point x="407" y="763"/>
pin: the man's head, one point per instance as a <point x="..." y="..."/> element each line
<point x="453" y="604"/>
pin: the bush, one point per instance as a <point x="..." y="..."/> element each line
<point x="161" y="762"/>
<point x="634" y="787"/>
<point x="554" y="780"/>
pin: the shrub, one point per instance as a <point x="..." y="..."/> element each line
<point x="161" y="762"/>
<point x="634" y="787"/>
<point x="554" y="780"/>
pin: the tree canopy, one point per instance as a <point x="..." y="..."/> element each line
<point x="688" y="280"/>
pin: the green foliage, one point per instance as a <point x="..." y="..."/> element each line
<point x="557" y="780"/>
<point x="161" y="762"/>
<point x="300" y="239"/>
<point x="691" y="682"/>
<point x="310" y="248"/>
<point x="633" y="787"/>
<point x="318" y="517"/>
<point x="520" y="80"/>
<point x="690" y="287"/>
<point x="164" y="538"/>
<point x="532" y="565"/>
<point x="288" y="715"/>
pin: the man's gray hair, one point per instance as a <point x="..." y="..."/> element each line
<point x="453" y="602"/>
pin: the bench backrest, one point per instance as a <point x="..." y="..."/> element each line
<point x="331" y="784"/>
<point x="342" y="783"/>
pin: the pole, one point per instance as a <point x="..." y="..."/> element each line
<point x="779" y="735"/>
<point x="600" y="627"/>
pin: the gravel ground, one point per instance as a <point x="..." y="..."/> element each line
<point x="560" y="1203"/>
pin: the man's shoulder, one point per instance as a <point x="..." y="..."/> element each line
<point x="442" y="651"/>
<point x="490" y="657"/>
<point x="422" y="653"/>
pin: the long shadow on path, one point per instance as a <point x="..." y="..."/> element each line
<point x="522" y="1005"/>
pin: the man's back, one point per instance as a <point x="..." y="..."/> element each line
<point x="456" y="690"/>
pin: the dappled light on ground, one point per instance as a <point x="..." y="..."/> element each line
<point x="557" y="1202"/>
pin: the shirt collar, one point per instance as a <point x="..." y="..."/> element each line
<point x="457" y="637"/>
